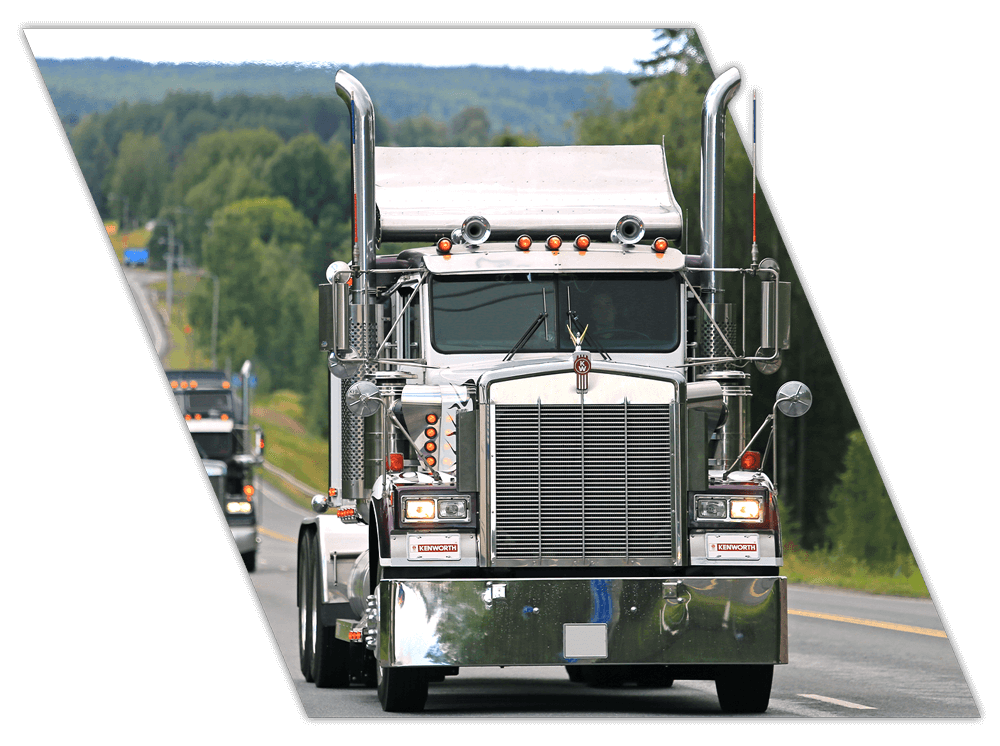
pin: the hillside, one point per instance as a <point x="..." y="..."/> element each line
<point x="537" y="103"/>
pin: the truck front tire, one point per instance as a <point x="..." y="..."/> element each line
<point x="402" y="689"/>
<point x="744" y="690"/>
<point x="305" y="596"/>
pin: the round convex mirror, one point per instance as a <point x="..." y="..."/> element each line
<point x="794" y="399"/>
<point x="363" y="399"/>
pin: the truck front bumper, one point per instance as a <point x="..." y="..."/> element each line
<point x="538" y="622"/>
<point x="246" y="538"/>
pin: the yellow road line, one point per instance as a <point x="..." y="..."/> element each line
<point x="276" y="535"/>
<point x="871" y="623"/>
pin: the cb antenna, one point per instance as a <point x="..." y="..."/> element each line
<point x="753" y="249"/>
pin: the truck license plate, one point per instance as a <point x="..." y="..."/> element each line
<point x="433" y="547"/>
<point x="732" y="546"/>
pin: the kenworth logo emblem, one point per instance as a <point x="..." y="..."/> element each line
<point x="581" y="360"/>
<point x="581" y="365"/>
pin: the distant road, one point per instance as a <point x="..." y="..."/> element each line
<point x="139" y="280"/>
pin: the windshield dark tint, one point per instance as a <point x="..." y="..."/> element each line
<point x="214" y="445"/>
<point x="490" y="313"/>
<point x="205" y="402"/>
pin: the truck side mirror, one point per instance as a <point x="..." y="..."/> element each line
<point x="775" y="318"/>
<point x="334" y="317"/>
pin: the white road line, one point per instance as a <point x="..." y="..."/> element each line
<point x="840" y="702"/>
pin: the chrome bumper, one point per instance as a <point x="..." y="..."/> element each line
<point x="246" y="538"/>
<point x="538" y="622"/>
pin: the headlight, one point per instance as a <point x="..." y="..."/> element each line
<point x="744" y="510"/>
<point x="238" y="507"/>
<point x="419" y="510"/>
<point x="712" y="508"/>
<point x="455" y="510"/>
<point x="436" y="509"/>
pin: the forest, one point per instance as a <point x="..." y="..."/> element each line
<point x="254" y="186"/>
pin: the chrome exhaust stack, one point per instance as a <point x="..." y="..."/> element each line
<point x="732" y="436"/>
<point x="713" y="157"/>
<point x="361" y="335"/>
<point x="362" y="178"/>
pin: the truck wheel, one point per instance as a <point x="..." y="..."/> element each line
<point x="330" y="668"/>
<point x="402" y="689"/>
<point x="250" y="560"/>
<point x="304" y="592"/>
<point x="745" y="690"/>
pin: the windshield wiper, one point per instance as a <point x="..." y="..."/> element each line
<point x="542" y="317"/>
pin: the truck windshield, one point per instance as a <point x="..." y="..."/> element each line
<point x="217" y="446"/>
<point x="489" y="313"/>
<point x="205" y="402"/>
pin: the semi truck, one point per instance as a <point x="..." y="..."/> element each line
<point x="541" y="448"/>
<point x="219" y="422"/>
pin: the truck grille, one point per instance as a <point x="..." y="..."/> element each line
<point x="576" y="482"/>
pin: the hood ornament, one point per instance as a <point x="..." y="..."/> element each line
<point x="581" y="360"/>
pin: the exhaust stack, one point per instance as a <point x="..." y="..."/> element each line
<point x="713" y="152"/>
<point x="361" y="324"/>
<point x="362" y="177"/>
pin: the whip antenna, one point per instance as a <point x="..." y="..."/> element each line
<point x="753" y="250"/>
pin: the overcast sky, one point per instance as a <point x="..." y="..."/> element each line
<point x="588" y="50"/>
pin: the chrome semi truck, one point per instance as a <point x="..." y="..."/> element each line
<point x="541" y="449"/>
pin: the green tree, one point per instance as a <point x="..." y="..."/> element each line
<point x="508" y="139"/>
<point x="257" y="247"/>
<point x="140" y="174"/>
<point x="470" y="127"/>
<point x="303" y="172"/>
<point x="682" y="52"/>
<point x="862" y="519"/>
<point x="218" y="169"/>
<point x="420" y="132"/>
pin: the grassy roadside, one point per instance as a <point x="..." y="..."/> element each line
<point x="291" y="448"/>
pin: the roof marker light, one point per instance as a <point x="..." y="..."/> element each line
<point x="444" y="245"/>
<point x="660" y="245"/>
<point x="553" y="243"/>
<point x="582" y="242"/>
<point x="524" y="242"/>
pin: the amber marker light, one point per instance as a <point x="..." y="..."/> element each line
<point x="187" y="417"/>
<point x="248" y="490"/>
<point x="431" y="419"/>
<point x="194" y="384"/>
<point x="395" y="462"/>
<point x="553" y="243"/>
<point x="184" y="384"/>
<point x="660" y="245"/>
<point x="431" y="432"/>
<point x="173" y="384"/>
<point x="197" y="416"/>
<point x="225" y="384"/>
<point x="224" y="417"/>
<point x="524" y="242"/>
<point x="430" y="446"/>
<point x="431" y="461"/>
<point x="582" y="242"/>
<point x="444" y="245"/>
<point x="750" y="461"/>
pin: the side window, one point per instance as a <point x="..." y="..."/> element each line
<point x="411" y="326"/>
